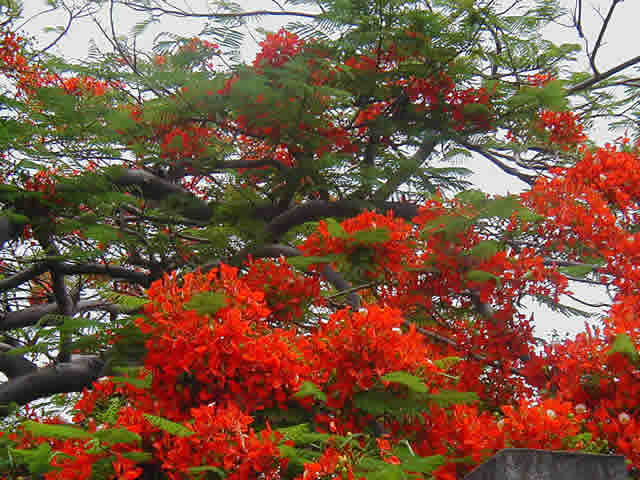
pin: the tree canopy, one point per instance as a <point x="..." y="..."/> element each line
<point x="214" y="268"/>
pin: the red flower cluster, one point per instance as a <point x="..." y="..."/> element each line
<point x="186" y="141"/>
<point x="563" y="128"/>
<point x="277" y="49"/>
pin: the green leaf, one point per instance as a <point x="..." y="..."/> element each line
<point x="485" y="249"/>
<point x="447" y="362"/>
<point x="450" y="225"/>
<point x="70" y="325"/>
<point x="384" y="402"/>
<point x="207" y="303"/>
<point x="624" y="345"/>
<point x="502" y="207"/>
<point x="128" y="301"/>
<point x="553" y="95"/>
<point x="168" y="426"/>
<point x="412" y="382"/>
<point x="142" y="383"/>
<point x="102" y="233"/>
<point x="423" y="464"/>
<point x="529" y="216"/>
<point x="117" y="435"/>
<point x="577" y="270"/>
<point x="208" y="468"/>
<point x="445" y="398"/>
<point x="301" y="262"/>
<point x="55" y="431"/>
<point x="16" y="217"/>
<point x="369" y="237"/>
<point x="302" y="434"/>
<point x="310" y="389"/>
<point x="391" y="472"/>
<point x="37" y="460"/>
<point x="297" y="456"/>
<point x="481" y="276"/>
<point x="474" y="197"/>
<point x="335" y="229"/>
<point x="138" y="457"/>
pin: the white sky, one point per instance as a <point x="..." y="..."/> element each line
<point x="619" y="45"/>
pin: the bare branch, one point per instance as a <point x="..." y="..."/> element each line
<point x="602" y="76"/>
<point x="528" y="179"/>
<point x="182" y="13"/>
<point x="596" y="47"/>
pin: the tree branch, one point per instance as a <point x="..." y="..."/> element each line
<point x="408" y="170"/>
<point x="181" y="13"/>
<point x="528" y="179"/>
<point x="22" y="277"/>
<point x="13" y="365"/>
<point x="319" y="209"/>
<point x="596" y="47"/>
<point x="32" y="315"/>
<point x="598" y="78"/>
<point x="66" y="377"/>
<point x="155" y="188"/>
<point x="8" y="230"/>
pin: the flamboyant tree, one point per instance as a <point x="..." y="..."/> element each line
<point x="218" y="269"/>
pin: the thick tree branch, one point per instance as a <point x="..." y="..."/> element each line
<point x="32" y="315"/>
<point x="408" y="170"/>
<point x="14" y="366"/>
<point x="155" y="188"/>
<point x="112" y="271"/>
<point x="23" y="276"/>
<point x="62" y="378"/>
<point x="8" y="230"/>
<point x="319" y="209"/>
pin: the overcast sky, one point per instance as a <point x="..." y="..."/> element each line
<point x="620" y="44"/>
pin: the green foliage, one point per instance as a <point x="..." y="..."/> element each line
<point x="207" y="303"/>
<point x="371" y="237"/>
<point x="485" y="249"/>
<point x="624" y="345"/>
<point x="197" y="471"/>
<point x="112" y="436"/>
<point x="141" y="383"/>
<point x="379" y="403"/>
<point x="168" y="426"/>
<point x="309" y="389"/>
<point x="412" y="382"/>
<point x="303" y="263"/>
<point x="577" y="270"/>
<point x="55" y="431"/>
<point x="446" y="398"/>
<point x="481" y="276"/>
<point x="446" y="363"/>
<point x="303" y="434"/>
<point x="36" y="460"/>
